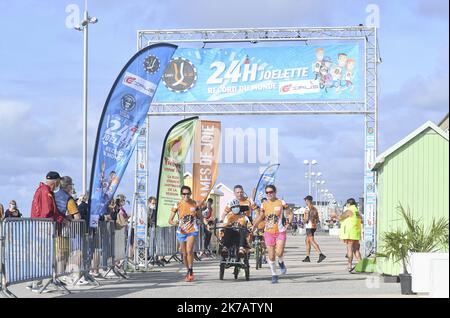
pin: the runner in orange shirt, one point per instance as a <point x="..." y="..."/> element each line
<point x="275" y="229"/>
<point x="188" y="216"/>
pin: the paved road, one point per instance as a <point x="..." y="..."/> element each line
<point x="328" y="279"/>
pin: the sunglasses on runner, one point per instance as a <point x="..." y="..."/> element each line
<point x="186" y="193"/>
<point x="269" y="192"/>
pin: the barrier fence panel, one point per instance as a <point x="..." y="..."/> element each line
<point x="69" y="245"/>
<point x="101" y="245"/>
<point x="199" y="241"/>
<point x="28" y="249"/>
<point x="152" y="241"/>
<point x="166" y="241"/>
<point x="120" y="241"/>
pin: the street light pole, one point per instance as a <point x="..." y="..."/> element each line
<point x="84" y="27"/>
<point x="85" y="96"/>
<point x="310" y="163"/>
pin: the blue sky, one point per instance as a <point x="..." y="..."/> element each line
<point x="41" y="85"/>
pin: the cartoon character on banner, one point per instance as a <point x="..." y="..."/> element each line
<point x="326" y="79"/>
<point x="319" y="62"/>
<point x="349" y="75"/>
<point x="101" y="179"/>
<point x="338" y="71"/>
<point x="110" y="185"/>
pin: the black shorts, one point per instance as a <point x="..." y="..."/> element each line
<point x="310" y="232"/>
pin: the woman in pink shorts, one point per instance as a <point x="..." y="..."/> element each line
<point x="275" y="229"/>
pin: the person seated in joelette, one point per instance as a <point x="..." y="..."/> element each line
<point x="236" y="222"/>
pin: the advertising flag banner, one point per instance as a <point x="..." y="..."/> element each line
<point x="267" y="178"/>
<point x="122" y="118"/>
<point x="175" y="148"/>
<point x="329" y="72"/>
<point x="206" y="159"/>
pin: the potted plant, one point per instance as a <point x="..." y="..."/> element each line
<point x="399" y="244"/>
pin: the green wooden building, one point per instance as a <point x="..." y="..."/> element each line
<point x="413" y="172"/>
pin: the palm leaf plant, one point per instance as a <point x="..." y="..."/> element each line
<point x="416" y="238"/>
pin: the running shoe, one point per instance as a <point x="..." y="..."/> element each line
<point x="189" y="277"/>
<point x="274" y="279"/>
<point x="82" y="282"/>
<point x="283" y="268"/>
<point x="34" y="285"/>
<point x="321" y="258"/>
<point x="37" y="289"/>
<point x="306" y="260"/>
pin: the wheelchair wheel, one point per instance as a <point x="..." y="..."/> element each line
<point x="257" y="257"/>
<point x="222" y="271"/>
<point x="236" y="272"/>
<point x="259" y="261"/>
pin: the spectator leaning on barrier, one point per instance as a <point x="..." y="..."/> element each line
<point x="63" y="198"/>
<point x="83" y="207"/>
<point x="13" y="211"/>
<point x="121" y="214"/>
<point x="44" y="205"/>
<point x="66" y="204"/>
<point x="151" y="216"/>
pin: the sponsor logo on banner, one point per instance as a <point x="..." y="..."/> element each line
<point x="180" y="75"/>
<point x="128" y="102"/>
<point x="299" y="87"/>
<point x="139" y="84"/>
<point x="151" y="64"/>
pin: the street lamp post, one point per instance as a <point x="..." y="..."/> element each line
<point x="318" y="183"/>
<point x="310" y="164"/>
<point x="84" y="27"/>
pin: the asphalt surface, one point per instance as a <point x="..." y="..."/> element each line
<point x="328" y="279"/>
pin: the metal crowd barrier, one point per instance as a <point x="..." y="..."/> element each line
<point x="120" y="241"/>
<point x="69" y="246"/>
<point x="152" y="241"/>
<point x="166" y="241"/>
<point x="100" y="242"/>
<point x="37" y="249"/>
<point x="28" y="250"/>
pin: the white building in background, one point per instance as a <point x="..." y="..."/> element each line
<point x="228" y="195"/>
